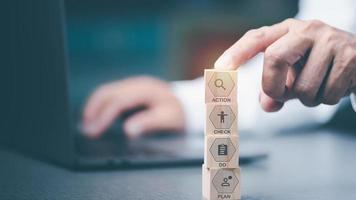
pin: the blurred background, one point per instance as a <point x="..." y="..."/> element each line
<point x="170" y="39"/>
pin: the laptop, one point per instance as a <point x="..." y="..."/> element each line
<point x="37" y="118"/>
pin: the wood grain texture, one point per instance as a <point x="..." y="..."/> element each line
<point x="220" y="86"/>
<point x="221" y="152"/>
<point x="221" y="174"/>
<point x="215" y="124"/>
<point x="220" y="184"/>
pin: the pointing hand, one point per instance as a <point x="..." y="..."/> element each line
<point x="307" y="60"/>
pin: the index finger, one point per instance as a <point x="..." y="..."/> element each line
<point x="249" y="45"/>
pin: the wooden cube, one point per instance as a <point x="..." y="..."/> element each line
<point x="220" y="86"/>
<point x="221" y="119"/>
<point x="221" y="152"/>
<point x="204" y="181"/>
<point x="221" y="184"/>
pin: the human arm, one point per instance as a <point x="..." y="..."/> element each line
<point x="307" y="60"/>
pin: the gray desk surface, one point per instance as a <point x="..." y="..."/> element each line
<point x="317" y="165"/>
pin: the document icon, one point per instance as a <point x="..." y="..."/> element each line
<point x="222" y="149"/>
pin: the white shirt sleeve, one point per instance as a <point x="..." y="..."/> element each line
<point x="339" y="14"/>
<point x="353" y="101"/>
<point x="191" y="95"/>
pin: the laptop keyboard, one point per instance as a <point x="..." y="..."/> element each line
<point x="115" y="145"/>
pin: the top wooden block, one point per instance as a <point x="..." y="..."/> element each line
<point x="220" y="86"/>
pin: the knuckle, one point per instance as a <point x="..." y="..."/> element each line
<point x="302" y="34"/>
<point x="330" y="99"/>
<point x="339" y="64"/>
<point x="309" y="102"/>
<point x="263" y="30"/>
<point x="347" y="59"/>
<point x="257" y="34"/>
<point x="329" y="35"/>
<point x="314" y="24"/>
<point x="151" y="82"/>
<point x="331" y="96"/>
<point x="350" y="53"/>
<point x="102" y="88"/>
<point x="274" y="58"/>
<point x="289" y="21"/>
<point x="305" y="93"/>
<point x="145" y="79"/>
<point x="309" y="27"/>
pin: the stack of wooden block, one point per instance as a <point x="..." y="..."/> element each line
<point x="221" y="172"/>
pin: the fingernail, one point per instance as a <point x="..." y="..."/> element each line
<point x="223" y="62"/>
<point x="133" y="130"/>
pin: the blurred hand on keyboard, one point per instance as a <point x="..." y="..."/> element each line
<point x="162" y="109"/>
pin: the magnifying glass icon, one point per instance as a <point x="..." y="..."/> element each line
<point x="219" y="83"/>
